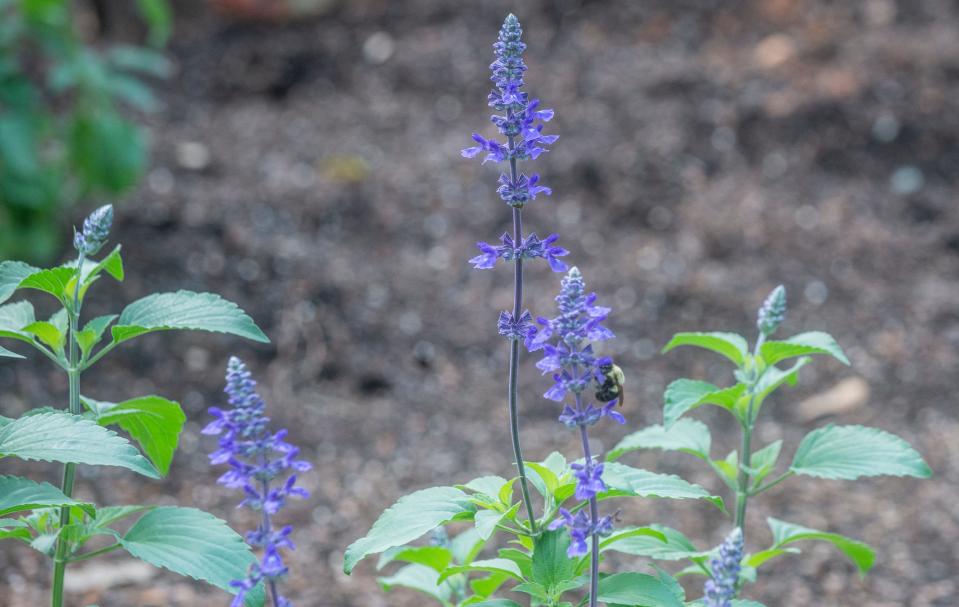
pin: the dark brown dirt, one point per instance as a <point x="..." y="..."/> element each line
<point x="709" y="151"/>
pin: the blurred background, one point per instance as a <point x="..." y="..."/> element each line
<point x="301" y="157"/>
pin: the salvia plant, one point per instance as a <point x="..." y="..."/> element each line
<point x="256" y="457"/>
<point x="87" y="431"/>
<point x="548" y="544"/>
<point x="831" y="452"/>
<point x="551" y="551"/>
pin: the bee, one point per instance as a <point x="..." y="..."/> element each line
<point x="612" y="386"/>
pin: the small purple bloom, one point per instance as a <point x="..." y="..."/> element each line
<point x="589" y="480"/>
<point x="256" y="457"/>
<point x="580" y="529"/>
<point x="530" y="248"/>
<point x="512" y="328"/>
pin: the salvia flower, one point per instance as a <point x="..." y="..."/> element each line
<point x="580" y="529"/>
<point x="530" y="248"/>
<point x="257" y="458"/>
<point x="773" y="311"/>
<point x="96" y="230"/>
<point x="720" y="589"/>
<point x="566" y="344"/>
<point x="513" y="328"/>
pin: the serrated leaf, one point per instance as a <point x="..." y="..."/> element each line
<point x="466" y="546"/>
<point x="686" y="435"/>
<point x="154" y="422"/>
<point x="683" y="395"/>
<point x="185" y="310"/>
<point x="730" y="345"/>
<point x="21" y="494"/>
<point x="484" y="587"/>
<point x="786" y="533"/>
<point x="487" y="520"/>
<point x="771" y="380"/>
<point x="66" y="438"/>
<point x="551" y="565"/>
<point x="15" y="529"/>
<point x="636" y="590"/>
<point x="12" y="274"/>
<point x="849" y="452"/>
<point x="53" y="281"/>
<point x="485" y="485"/>
<point x="624" y="480"/>
<point x="813" y="342"/>
<point x="189" y="542"/>
<point x="544" y="480"/>
<point x="419" y="578"/>
<point x="48" y="333"/>
<point x="409" y="518"/>
<point x="498" y="565"/>
<point x="676" y="547"/>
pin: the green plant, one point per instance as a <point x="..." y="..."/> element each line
<point x="63" y="137"/>
<point x="49" y="519"/>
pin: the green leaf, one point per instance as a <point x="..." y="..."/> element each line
<point x="152" y="421"/>
<point x="730" y="345"/>
<point x="53" y="281"/>
<point x="813" y="342"/>
<point x="185" y="310"/>
<point x="636" y="590"/>
<point x="15" y="529"/>
<point x="757" y="560"/>
<point x="849" y="452"/>
<point x="786" y="533"/>
<point x="48" y="333"/>
<point x="189" y="542"/>
<point x="12" y="274"/>
<point x="543" y="479"/>
<point x="763" y="462"/>
<point x="21" y="494"/>
<point x="466" y="546"/>
<point x="486" y="520"/>
<point x="14" y="317"/>
<point x="676" y="547"/>
<point x="684" y="395"/>
<point x="419" y="578"/>
<point x="686" y="435"/>
<point x="628" y="532"/>
<point x="409" y="518"/>
<point x="8" y="354"/>
<point x="771" y="380"/>
<point x="551" y="565"/>
<point x="500" y="565"/>
<point x="623" y="480"/>
<point x="486" y="486"/>
<point x="496" y="603"/>
<point x="66" y="438"/>
<point x="93" y="331"/>
<point x="435" y="557"/>
<point x="112" y="264"/>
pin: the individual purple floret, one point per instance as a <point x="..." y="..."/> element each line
<point x="96" y="230"/>
<point x="720" y="589"/>
<point x="589" y="480"/>
<point x="580" y="529"/>
<point x="531" y="248"/>
<point x="257" y="457"/>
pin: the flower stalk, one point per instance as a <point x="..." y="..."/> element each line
<point x="519" y="121"/>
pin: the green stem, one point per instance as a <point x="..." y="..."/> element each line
<point x="772" y="484"/>
<point x="94" y="553"/>
<point x="69" y="471"/>
<point x="742" y="491"/>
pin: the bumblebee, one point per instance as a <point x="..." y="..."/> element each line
<point x="612" y="386"/>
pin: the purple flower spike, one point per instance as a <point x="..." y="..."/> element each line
<point x="256" y="458"/>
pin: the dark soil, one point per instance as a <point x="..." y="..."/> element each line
<point x="710" y="150"/>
